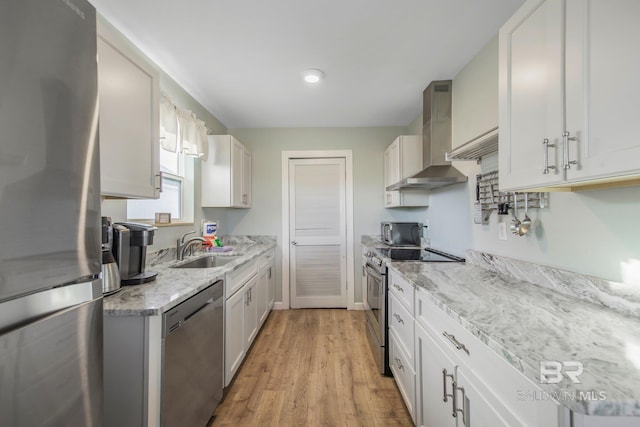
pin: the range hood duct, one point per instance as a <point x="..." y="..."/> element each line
<point x="436" y="141"/>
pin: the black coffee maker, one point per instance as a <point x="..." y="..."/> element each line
<point x="130" y="241"/>
<point x="110" y="271"/>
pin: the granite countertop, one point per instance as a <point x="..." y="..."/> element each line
<point x="526" y="323"/>
<point x="174" y="285"/>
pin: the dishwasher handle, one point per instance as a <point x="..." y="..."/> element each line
<point x="178" y="315"/>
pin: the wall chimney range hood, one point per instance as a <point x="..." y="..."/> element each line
<point x="436" y="141"/>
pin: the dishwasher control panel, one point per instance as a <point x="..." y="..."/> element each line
<point x="175" y="317"/>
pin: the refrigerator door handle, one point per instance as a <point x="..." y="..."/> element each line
<point x="19" y="311"/>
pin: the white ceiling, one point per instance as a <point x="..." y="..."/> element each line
<point x="243" y="59"/>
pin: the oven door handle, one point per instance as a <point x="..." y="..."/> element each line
<point x="373" y="272"/>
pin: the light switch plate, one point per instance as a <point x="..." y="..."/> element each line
<point x="502" y="231"/>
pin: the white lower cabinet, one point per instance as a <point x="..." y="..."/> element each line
<point x="249" y="299"/>
<point x="403" y="372"/>
<point x="435" y="373"/>
<point x="271" y="285"/>
<point x="474" y="407"/>
<point x="250" y="312"/>
<point x="401" y="338"/>
<point x="266" y="285"/>
<point x="262" y="301"/>
<point x="234" y="348"/>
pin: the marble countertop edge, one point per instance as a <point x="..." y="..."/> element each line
<point x="174" y="285"/>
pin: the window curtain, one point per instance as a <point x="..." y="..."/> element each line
<point x="168" y="125"/>
<point x="182" y="131"/>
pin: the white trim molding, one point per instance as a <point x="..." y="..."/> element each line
<point x="311" y="154"/>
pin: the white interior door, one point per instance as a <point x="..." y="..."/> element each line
<point x="317" y="232"/>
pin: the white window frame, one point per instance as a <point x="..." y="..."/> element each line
<point x="187" y="193"/>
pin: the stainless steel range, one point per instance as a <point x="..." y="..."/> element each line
<point x="376" y="303"/>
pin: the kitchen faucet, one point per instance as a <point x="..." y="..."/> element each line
<point x="184" y="245"/>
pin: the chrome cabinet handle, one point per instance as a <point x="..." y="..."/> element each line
<point x="398" y="318"/>
<point x="395" y="285"/>
<point x="546" y="145"/>
<point x="462" y="411"/>
<point x="159" y="187"/>
<point x="399" y="364"/>
<point x="566" y="138"/>
<point x="445" y="395"/>
<point x="455" y="342"/>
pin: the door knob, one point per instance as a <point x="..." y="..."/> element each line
<point x="293" y="242"/>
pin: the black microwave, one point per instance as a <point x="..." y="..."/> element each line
<point x="401" y="233"/>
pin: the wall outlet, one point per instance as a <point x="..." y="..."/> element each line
<point x="502" y="231"/>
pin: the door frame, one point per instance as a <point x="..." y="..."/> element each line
<point x="347" y="155"/>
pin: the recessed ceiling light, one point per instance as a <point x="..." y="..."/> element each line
<point x="312" y="75"/>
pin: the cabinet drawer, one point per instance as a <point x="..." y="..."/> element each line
<point x="403" y="373"/>
<point x="505" y="382"/>
<point x="402" y="323"/>
<point x="238" y="277"/>
<point x="266" y="260"/>
<point x="402" y="290"/>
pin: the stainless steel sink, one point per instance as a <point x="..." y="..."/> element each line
<point x="209" y="261"/>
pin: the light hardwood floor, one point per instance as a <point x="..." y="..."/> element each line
<point x="312" y="367"/>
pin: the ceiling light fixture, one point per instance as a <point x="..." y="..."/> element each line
<point x="312" y="75"/>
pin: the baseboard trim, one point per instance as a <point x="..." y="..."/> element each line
<point x="355" y="306"/>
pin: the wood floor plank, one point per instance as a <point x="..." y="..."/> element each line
<point x="312" y="367"/>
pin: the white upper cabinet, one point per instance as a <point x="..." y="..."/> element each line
<point x="531" y="100"/>
<point x="129" y="93"/>
<point x="226" y="175"/>
<point x="602" y="88"/>
<point x="569" y="94"/>
<point x="402" y="159"/>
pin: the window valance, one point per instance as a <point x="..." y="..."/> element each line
<point x="181" y="130"/>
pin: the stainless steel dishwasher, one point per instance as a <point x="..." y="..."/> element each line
<point x="192" y="359"/>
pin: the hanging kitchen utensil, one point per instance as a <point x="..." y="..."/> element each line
<point x="520" y="228"/>
<point x="526" y="222"/>
<point x="477" y="206"/>
<point x="515" y="223"/>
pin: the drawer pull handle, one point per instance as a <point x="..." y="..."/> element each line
<point x="456" y="343"/>
<point x="398" y="287"/>
<point x="399" y="364"/>
<point x="398" y="318"/>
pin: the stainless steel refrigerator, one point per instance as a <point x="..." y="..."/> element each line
<point x="50" y="290"/>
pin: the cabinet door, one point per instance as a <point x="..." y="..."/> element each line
<point x="261" y="297"/>
<point x="393" y="155"/>
<point x="603" y="88"/>
<point x="404" y="374"/>
<point x="271" y="288"/>
<point x="250" y="312"/>
<point x="246" y="178"/>
<point x="474" y="410"/>
<point x="236" y="173"/>
<point x="435" y="373"/>
<point x="531" y="97"/>
<point x="234" y="334"/>
<point x="391" y="174"/>
<point x="129" y="120"/>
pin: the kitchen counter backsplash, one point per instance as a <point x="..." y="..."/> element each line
<point x="162" y="256"/>
<point x="617" y="296"/>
